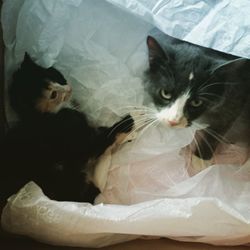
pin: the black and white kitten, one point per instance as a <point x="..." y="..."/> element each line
<point x="52" y="144"/>
<point x="192" y="85"/>
<point x="35" y="88"/>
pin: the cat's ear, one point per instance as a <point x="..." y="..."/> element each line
<point x="27" y="61"/>
<point x="156" y="54"/>
<point x="234" y="70"/>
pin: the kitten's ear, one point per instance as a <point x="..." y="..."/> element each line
<point x="27" y="61"/>
<point x="155" y="52"/>
<point x="234" y="70"/>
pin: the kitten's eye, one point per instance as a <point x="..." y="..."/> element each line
<point x="165" y="94"/>
<point x="53" y="95"/>
<point x="196" y="103"/>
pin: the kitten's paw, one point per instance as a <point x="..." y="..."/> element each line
<point x="124" y="129"/>
<point x="139" y="122"/>
<point x="126" y="125"/>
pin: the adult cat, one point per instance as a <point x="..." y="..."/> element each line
<point x="192" y="85"/>
<point x="53" y="144"/>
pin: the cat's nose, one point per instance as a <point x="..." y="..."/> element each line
<point x="173" y="123"/>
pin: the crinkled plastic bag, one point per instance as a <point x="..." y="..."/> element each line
<point x="100" y="48"/>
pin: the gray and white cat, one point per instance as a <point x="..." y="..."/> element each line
<point x="192" y="85"/>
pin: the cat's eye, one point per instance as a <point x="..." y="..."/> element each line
<point x="196" y="103"/>
<point x="53" y="95"/>
<point x="165" y="94"/>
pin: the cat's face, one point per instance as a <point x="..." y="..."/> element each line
<point x="54" y="97"/>
<point x="183" y="88"/>
<point x="40" y="89"/>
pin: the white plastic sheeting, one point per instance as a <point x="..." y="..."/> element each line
<point x="221" y="25"/>
<point x="101" y="50"/>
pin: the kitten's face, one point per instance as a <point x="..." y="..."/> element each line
<point x="182" y="90"/>
<point x="47" y="90"/>
<point x="54" y="97"/>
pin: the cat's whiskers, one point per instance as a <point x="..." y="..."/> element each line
<point x="153" y="122"/>
<point x="218" y="137"/>
<point x="145" y="114"/>
<point x="214" y="134"/>
<point x="207" y="99"/>
<point x="142" y="124"/>
<point x="216" y="83"/>
<point x="209" y="94"/>
<point x="139" y="127"/>
<point x="199" y="150"/>
<point x="143" y="119"/>
<point x="208" y="144"/>
<point x="120" y="124"/>
<point x="129" y="109"/>
<point x="205" y="82"/>
<point x="140" y="114"/>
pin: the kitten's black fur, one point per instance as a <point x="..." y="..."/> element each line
<point x="28" y="83"/>
<point x="220" y="85"/>
<point x="52" y="149"/>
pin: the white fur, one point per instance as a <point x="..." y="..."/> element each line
<point x="191" y="76"/>
<point x="175" y="113"/>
